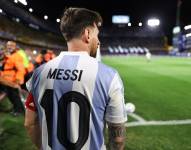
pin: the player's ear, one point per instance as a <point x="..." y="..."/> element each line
<point x="86" y="35"/>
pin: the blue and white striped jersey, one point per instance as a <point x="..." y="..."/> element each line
<point x="75" y="95"/>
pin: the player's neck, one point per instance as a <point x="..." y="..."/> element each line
<point x="77" y="46"/>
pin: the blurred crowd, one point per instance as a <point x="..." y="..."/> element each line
<point x="16" y="68"/>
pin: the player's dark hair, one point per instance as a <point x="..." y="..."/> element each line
<point x="75" y="20"/>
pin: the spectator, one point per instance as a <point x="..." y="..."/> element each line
<point x="12" y="76"/>
<point x="43" y="57"/>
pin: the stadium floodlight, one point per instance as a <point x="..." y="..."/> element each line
<point x="45" y="17"/>
<point x="140" y="24"/>
<point x="24" y="2"/>
<point x="176" y="30"/>
<point x="34" y="52"/>
<point x="129" y="24"/>
<point x="30" y="10"/>
<point x="188" y="35"/>
<point x="120" y="19"/>
<point x="1" y="11"/>
<point x="15" y="1"/>
<point x="153" y="22"/>
<point x="17" y="20"/>
<point x="58" y="20"/>
<point x="187" y="27"/>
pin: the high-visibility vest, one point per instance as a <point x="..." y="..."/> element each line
<point x="13" y="68"/>
<point x="24" y="56"/>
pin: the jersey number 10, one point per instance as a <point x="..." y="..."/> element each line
<point x="63" y="103"/>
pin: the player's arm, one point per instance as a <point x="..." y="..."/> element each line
<point x="116" y="136"/>
<point x="32" y="127"/>
<point x="116" y="115"/>
<point x="31" y="122"/>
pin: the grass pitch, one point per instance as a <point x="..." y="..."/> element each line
<point x="161" y="91"/>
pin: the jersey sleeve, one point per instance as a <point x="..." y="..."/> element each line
<point x="29" y="84"/>
<point x="30" y="103"/>
<point x="115" y="111"/>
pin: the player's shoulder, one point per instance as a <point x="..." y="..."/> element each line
<point x="106" y="69"/>
<point x="38" y="70"/>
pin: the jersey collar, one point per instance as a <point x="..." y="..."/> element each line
<point x="74" y="53"/>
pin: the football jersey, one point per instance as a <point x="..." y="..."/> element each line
<point x="75" y="95"/>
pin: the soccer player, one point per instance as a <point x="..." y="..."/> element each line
<point x="73" y="96"/>
<point x="148" y="56"/>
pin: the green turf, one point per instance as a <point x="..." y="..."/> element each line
<point x="160" y="89"/>
<point x="159" y="138"/>
<point x="12" y="132"/>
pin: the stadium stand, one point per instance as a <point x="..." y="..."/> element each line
<point x="114" y="40"/>
<point x="135" y="40"/>
<point x="11" y="30"/>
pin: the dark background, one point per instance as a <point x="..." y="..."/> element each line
<point x="138" y="10"/>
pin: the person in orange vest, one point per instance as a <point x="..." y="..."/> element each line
<point x="12" y="76"/>
<point x="43" y="57"/>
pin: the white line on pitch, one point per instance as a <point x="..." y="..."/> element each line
<point x="137" y="117"/>
<point x="158" y="123"/>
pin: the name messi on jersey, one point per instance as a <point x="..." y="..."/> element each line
<point x="62" y="74"/>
